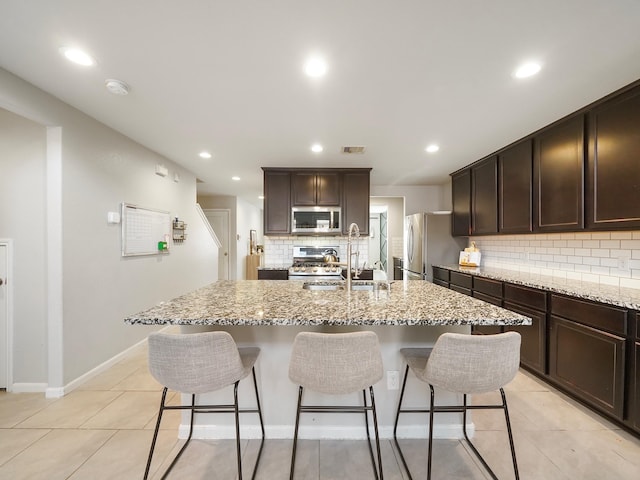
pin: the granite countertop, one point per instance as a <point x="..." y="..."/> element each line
<point x="274" y="267"/>
<point x="620" y="297"/>
<point x="285" y="302"/>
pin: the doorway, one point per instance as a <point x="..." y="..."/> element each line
<point x="378" y="242"/>
<point x="5" y="347"/>
<point x="219" y="220"/>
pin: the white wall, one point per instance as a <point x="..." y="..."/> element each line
<point x="417" y="198"/>
<point x="100" y="169"/>
<point x="22" y="218"/>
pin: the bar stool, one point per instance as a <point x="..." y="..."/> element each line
<point x="200" y="363"/>
<point x="463" y="364"/>
<point x="337" y="364"/>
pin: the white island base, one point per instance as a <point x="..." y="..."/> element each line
<point x="278" y="395"/>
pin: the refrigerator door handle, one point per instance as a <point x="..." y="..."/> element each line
<point x="410" y="243"/>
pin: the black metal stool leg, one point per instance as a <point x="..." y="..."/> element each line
<point x="375" y="430"/>
<point x="430" y="450"/>
<point x="255" y="386"/>
<point x="237" y="416"/>
<point x="155" y="433"/>
<point x="186" y="443"/>
<point x="295" y="435"/>
<point x="395" y="426"/>
<point x="510" y="433"/>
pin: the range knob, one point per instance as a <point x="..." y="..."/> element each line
<point x="302" y="269"/>
<point x="315" y="269"/>
<point x="296" y="269"/>
<point x="327" y="269"/>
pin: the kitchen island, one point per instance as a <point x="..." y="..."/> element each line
<point x="409" y="314"/>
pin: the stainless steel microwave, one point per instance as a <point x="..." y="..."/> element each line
<point x="316" y="220"/>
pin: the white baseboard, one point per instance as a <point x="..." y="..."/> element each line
<point x="57" y="392"/>
<point x="28" y="387"/>
<point x="223" y="432"/>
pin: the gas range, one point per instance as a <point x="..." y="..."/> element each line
<point x="309" y="263"/>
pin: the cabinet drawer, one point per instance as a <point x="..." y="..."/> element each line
<point x="595" y="315"/>
<point x="458" y="289"/>
<point x="589" y="363"/>
<point x="441" y="283"/>
<point x="461" y="279"/>
<point x="441" y="274"/>
<point x="487" y="298"/>
<point x="489" y="287"/>
<point x="526" y="296"/>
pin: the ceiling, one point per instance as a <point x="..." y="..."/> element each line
<point x="227" y="77"/>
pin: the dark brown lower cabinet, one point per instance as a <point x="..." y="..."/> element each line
<point x="273" y="274"/>
<point x="589" y="363"/>
<point x="440" y="282"/>
<point x="460" y="282"/>
<point x="487" y="329"/>
<point x="532" y="348"/>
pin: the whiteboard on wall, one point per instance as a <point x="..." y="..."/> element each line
<point x="142" y="229"/>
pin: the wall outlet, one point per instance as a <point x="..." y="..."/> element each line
<point x="393" y="380"/>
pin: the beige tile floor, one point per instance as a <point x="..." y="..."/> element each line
<point x="103" y="431"/>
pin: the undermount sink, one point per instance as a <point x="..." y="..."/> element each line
<point x="324" y="285"/>
<point x="367" y="285"/>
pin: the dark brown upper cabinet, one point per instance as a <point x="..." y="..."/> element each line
<point x="355" y="201"/>
<point x="316" y="188"/>
<point x="484" y="197"/>
<point x="461" y="203"/>
<point x="613" y="175"/>
<point x="558" y="174"/>
<point x="515" y="171"/>
<point x="277" y="203"/>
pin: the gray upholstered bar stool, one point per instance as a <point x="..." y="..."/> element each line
<point x="200" y="363"/>
<point x="337" y="364"/>
<point x="465" y="364"/>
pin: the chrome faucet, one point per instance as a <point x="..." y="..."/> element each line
<point x="353" y="228"/>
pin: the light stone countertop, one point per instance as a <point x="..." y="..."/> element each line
<point x="611" y="295"/>
<point x="285" y="302"/>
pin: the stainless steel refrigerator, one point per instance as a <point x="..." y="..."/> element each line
<point x="428" y="242"/>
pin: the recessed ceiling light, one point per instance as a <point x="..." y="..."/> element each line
<point x="527" y="70"/>
<point x="317" y="148"/>
<point x="235" y="178"/>
<point x="204" y="155"/>
<point x="261" y="197"/>
<point x="433" y="148"/>
<point x="315" y="67"/>
<point x="77" y="56"/>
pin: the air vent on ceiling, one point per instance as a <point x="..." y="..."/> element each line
<point x="353" y="149"/>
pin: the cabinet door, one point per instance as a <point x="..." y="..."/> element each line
<point x="461" y="202"/>
<point x="303" y="187"/>
<point x="588" y="362"/>
<point x="355" y="206"/>
<point x="614" y="163"/>
<point x="634" y="393"/>
<point x="487" y="329"/>
<point x="484" y="197"/>
<point x="328" y="189"/>
<point x="559" y="177"/>
<point x="533" y="337"/>
<point x="277" y="203"/>
<point x="515" y="171"/>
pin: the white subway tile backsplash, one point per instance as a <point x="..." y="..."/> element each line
<point x="601" y="235"/>
<point x="609" y="244"/>
<point x="588" y="256"/>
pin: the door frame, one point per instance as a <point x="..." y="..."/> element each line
<point x="227" y="211"/>
<point x="8" y="243"/>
